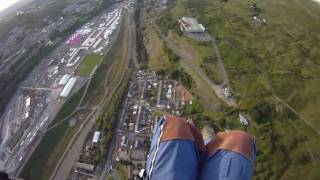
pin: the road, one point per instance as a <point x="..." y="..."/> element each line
<point x="220" y="62"/>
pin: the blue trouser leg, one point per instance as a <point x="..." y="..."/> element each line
<point x="176" y="159"/>
<point x="176" y="154"/>
<point x="228" y="165"/>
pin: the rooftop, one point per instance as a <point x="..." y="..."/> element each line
<point x="190" y="24"/>
<point x="96" y="137"/>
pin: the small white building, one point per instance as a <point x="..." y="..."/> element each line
<point x="96" y="136"/>
<point x="28" y="101"/>
<point x="227" y="92"/>
<point x="244" y="120"/>
<point x="27" y="108"/>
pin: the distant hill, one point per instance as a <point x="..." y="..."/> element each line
<point x="13" y="9"/>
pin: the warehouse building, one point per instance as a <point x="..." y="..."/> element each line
<point x="27" y="108"/>
<point x="190" y="25"/>
<point x="68" y="87"/>
<point x="64" y="80"/>
<point x="84" y="166"/>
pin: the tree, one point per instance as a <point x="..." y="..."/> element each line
<point x="262" y="112"/>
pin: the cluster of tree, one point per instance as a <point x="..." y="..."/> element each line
<point x="210" y="68"/>
<point x="173" y="57"/>
<point x="193" y="108"/>
<point x="142" y="55"/>
<point x="108" y="120"/>
<point x="263" y="112"/>
<point x="195" y="111"/>
<point x="172" y="69"/>
<point x="151" y="95"/>
<point x="178" y="74"/>
<point x="183" y="77"/>
<point x="167" y="23"/>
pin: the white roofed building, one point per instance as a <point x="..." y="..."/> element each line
<point x="28" y="101"/>
<point x="96" y="136"/>
<point x="243" y="120"/>
<point x="64" y="80"/>
<point x="68" y="87"/>
<point x="190" y="25"/>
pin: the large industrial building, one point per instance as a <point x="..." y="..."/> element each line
<point x="64" y="80"/>
<point x="69" y="86"/>
<point x="190" y="25"/>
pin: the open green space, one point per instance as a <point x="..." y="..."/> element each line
<point x="45" y="157"/>
<point x="88" y="64"/>
<point x="211" y="68"/>
<point x="264" y="61"/>
<point x="154" y="46"/>
<point x="68" y="107"/>
<point x="122" y="171"/>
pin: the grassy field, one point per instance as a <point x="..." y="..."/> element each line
<point x="264" y="61"/>
<point x="88" y="63"/>
<point x="154" y="45"/>
<point x="68" y="107"/>
<point x="122" y="171"/>
<point x="121" y="63"/>
<point x="118" y="68"/>
<point x="45" y="157"/>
